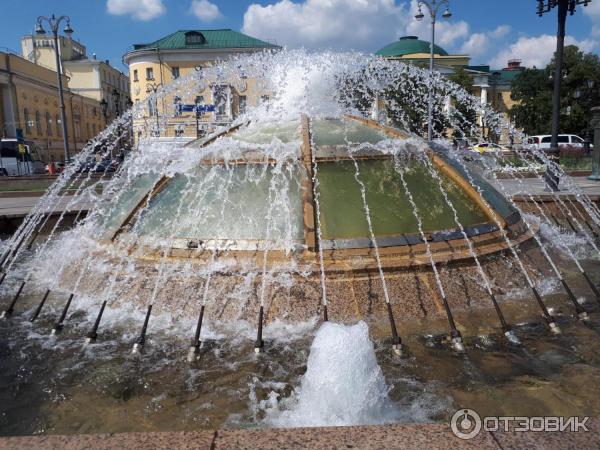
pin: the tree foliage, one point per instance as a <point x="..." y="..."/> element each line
<point x="461" y="77"/>
<point x="533" y="88"/>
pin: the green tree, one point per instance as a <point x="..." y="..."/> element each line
<point x="463" y="79"/>
<point x="533" y="90"/>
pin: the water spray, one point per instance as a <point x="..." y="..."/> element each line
<point x="507" y="330"/>
<point x="579" y="309"/>
<point x="546" y="314"/>
<point x="456" y="341"/>
<point x="397" y="346"/>
<point x="312" y="169"/>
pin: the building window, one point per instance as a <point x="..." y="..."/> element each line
<point x="77" y="127"/>
<point x="87" y="129"/>
<point x="152" y="106"/>
<point x="177" y="106"/>
<point x="48" y="124"/>
<point x="499" y="96"/>
<point x="149" y="73"/>
<point x="58" y="126"/>
<point x="38" y="122"/>
<point x="220" y="100"/>
<point x="243" y="103"/>
<point x="27" y="120"/>
<point x="194" y="38"/>
<point x="175" y="72"/>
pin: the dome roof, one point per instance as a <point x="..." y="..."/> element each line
<point x="408" y="45"/>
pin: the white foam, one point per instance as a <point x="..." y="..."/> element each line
<point x="343" y="384"/>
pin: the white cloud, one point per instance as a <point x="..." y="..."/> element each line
<point x="339" y="24"/>
<point x="205" y="10"/>
<point x="500" y="32"/>
<point x="479" y="44"/>
<point x="476" y="45"/>
<point x="139" y="9"/>
<point x="538" y="50"/>
<point x="592" y="10"/>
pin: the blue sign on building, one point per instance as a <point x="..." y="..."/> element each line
<point x="195" y="108"/>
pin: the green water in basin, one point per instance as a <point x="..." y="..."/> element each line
<point x="341" y="132"/>
<point x="217" y="202"/>
<point x="342" y="210"/>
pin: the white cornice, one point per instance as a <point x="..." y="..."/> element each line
<point x="146" y="56"/>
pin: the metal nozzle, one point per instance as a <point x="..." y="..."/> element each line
<point x="554" y="329"/>
<point x="193" y="353"/>
<point x="583" y="315"/>
<point x="457" y="344"/>
<point x="512" y="337"/>
<point x="398" y="349"/>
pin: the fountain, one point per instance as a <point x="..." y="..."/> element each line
<point x="302" y="209"/>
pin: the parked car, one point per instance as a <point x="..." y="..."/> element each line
<point x="484" y="147"/>
<point x="542" y="142"/>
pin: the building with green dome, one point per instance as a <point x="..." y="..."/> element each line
<point x="492" y="86"/>
<point x="417" y="51"/>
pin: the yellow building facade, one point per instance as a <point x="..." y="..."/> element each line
<point x="29" y="102"/>
<point x="87" y="76"/>
<point x="180" y="54"/>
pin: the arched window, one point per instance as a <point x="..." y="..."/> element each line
<point x="48" y="124"/>
<point x="38" y="122"/>
<point x="152" y="111"/>
<point x="58" y="126"/>
<point x="194" y="38"/>
<point x="27" y="120"/>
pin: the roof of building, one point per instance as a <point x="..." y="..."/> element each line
<point x="505" y="75"/>
<point x="480" y="68"/>
<point x="208" y="39"/>
<point x="408" y="45"/>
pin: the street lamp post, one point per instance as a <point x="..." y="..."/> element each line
<point x="595" y="124"/>
<point x="104" y="108"/>
<point x="564" y="7"/>
<point x="153" y="87"/>
<point x="54" y="23"/>
<point x="117" y="100"/>
<point x="433" y="6"/>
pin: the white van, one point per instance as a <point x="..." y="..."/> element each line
<point x="542" y="142"/>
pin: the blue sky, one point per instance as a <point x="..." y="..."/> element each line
<point x="490" y="31"/>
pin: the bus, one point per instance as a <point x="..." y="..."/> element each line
<point x="19" y="158"/>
